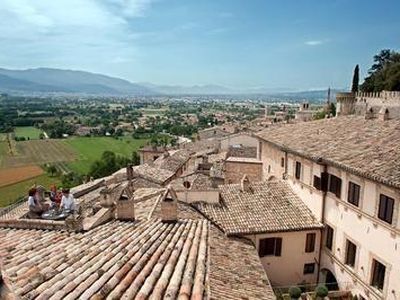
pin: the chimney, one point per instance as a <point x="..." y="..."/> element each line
<point x="383" y="114"/>
<point x="126" y="210"/>
<point x="166" y="154"/>
<point x="105" y="198"/>
<point x="129" y="172"/>
<point x="245" y="184"/>
<point x="369" y="114"/>
<point x="169" y="206"/>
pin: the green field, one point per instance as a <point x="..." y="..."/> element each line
<point x="3" y="151"/>
<point x="10" y="193"/>
<point x="28" y="132"/>
<point x="90" y="149"/>
<point x="76" y="154"/>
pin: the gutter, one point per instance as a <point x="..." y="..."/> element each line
<point x="324" y="192"/>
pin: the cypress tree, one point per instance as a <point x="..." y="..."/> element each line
<point x="356" y="79"/>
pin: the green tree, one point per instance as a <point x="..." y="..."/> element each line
<point x="356" y="79"/>
<point x="135" y="158"/>
<point x="51" y="169"/>
<point x="384" y="73"/>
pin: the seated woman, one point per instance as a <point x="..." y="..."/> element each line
<point x="35" y="207"/>
<point x="67" y="201"/>
<point x="55" y="196"/>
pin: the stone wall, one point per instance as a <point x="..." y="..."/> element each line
<point x="234" y="171"/>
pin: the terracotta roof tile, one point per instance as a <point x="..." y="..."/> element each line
<point x="267" y="207"/>
<point x="120" y="260"/>
<point x="369" y="148"/>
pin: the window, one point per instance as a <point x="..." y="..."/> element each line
<point x="298" y="170"/>
<point x="269" y="169"/>
<point x="282" y="162"/>
<point x="353" y="195"/>
<point x="329" y="237"/>
<point x="270" y="246"/>
<point x="378" y="274"/>
<point x="386" y="205"/>
<point x="155" y="157"/>
<point x="335" y="185"/>
<point x="309" y="268"/>
<point x="317" y="182"/>
<point x="351" y="250"/>
<point x="310" y="242"/>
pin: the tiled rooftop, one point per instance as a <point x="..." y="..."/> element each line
<point x="173" y="161"/>
<point x="198" y="181"/>
<point x="151" y="173"/>
<point x="369" y="148"/>
<point x="118" y="260"/>
<point x="235" y="270"/>
<point x="266" y="207"/>
<point x="145" y="259"/>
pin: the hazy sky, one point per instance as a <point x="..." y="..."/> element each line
<point x="300" y="44"/>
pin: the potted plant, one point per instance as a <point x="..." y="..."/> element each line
<point x="321" y="291"/>
<point x="294" y="292"/>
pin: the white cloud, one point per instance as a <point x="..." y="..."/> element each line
<point x="75" y="33"/>
<point x="316" y="42"/>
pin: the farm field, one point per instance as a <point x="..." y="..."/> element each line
<point x="91" y="149"/>
<point x="12" y="175"/>
<point x="9" y="194"/>
<point x="38" y="152"/>
<point x="28" y="132"/>
<point x="3" y="151"/>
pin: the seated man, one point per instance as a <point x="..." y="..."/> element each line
<point x="35" y="207"/>
<point x="67" y="201"/>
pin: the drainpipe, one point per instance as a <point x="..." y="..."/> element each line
<point x="324" y="192"/>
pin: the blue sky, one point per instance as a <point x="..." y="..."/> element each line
<point x="297" y="44"/>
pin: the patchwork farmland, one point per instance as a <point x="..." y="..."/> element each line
<point x="12" y="175"/>
<point x="38" y="152"/>
<point x="21" y="162"/>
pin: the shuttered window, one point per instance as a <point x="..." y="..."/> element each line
<point x="351" y="250"/>
<point x="378" y="274"/>
<point x="329" y="237"/>
<point x="310" y="242"/>
<point x="386" y="205"/>
<point x="335" y="185"/>
<point x="317" y="182"/>
<point x="353" y="195"/>
<point x="298" y="170"/>
<point x="270" y="247"/>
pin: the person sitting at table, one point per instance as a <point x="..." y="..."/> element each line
<point x="34" y="205"/>
<point x="67" y="201"/>
<point x="55" y="196"/>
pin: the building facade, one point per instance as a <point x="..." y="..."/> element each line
<point x="359" y="207"/>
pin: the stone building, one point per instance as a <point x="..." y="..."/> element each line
<point x="284" y="231"/>
<point x="370" y="104"/>
<point x="347" y="171"/>
<point x="149" y="153"/>
<point x="235" y="167"/>
<point x="304" y="114"/>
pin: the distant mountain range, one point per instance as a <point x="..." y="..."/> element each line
<point x="47" y="80"/>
